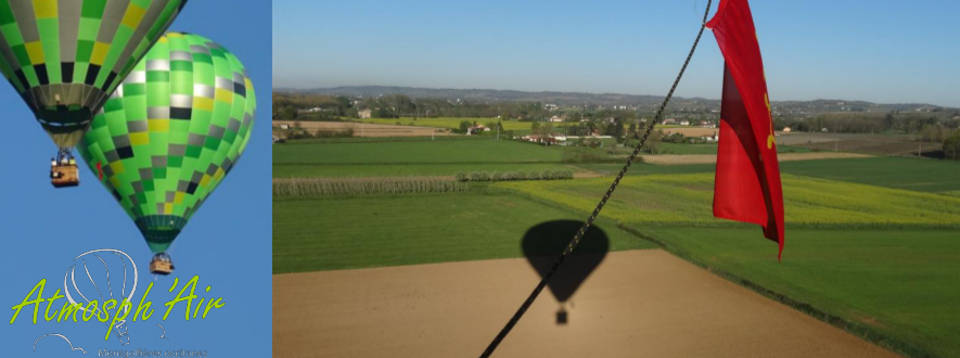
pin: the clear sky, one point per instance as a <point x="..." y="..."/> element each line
<point x="227" y="242"/>
<point x="881" y="51"/>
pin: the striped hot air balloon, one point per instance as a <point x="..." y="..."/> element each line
<point x="170" y="133"/>
<point x="65" y="57"/>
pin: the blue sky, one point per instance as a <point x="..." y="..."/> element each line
<point x="227" y="242"/>
<point x="881" y="51"/>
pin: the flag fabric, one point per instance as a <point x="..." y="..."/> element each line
<point x="747" y="186"/>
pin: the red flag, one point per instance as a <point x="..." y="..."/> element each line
<point x="747" y="186"/>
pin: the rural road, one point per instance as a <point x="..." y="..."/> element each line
<point x="641" y="303"/>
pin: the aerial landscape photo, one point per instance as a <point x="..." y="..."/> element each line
<point x="433" y="160"/>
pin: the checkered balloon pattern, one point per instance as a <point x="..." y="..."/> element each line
<point x="171" y="132"/>
<point x="64" y="57"/>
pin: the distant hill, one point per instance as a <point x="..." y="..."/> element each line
<point x="611" y="99"/>
<point x="487" y="95"/>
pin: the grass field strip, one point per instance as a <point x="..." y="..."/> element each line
<point x="326" y="187"/>
<point x="686" y="199"/>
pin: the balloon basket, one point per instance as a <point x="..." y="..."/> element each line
<point x="63" y="170"/>
<point x="161" y="264"/>
<point x="562" y="316"/>
<point x="63" y="176"/>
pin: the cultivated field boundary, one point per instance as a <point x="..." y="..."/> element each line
<point x="865" y="332"/>
<point x="868" y="333"/>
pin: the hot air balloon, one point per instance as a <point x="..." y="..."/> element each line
<point x="170" y="133"/>
<point x="65" y="57"/>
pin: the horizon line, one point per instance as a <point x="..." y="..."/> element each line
<point x="276" y="88"/>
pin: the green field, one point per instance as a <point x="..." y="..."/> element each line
<point x="463" y="150"/>
<point x="397" y="170"/>
<point x="711" y="148"/>
<point x="921" y="174"/>
<point x="903" y="283"/>
<point x="376" y="231"/>
<point x="892" y="256"/>
<point x="873" y="243"/>
<point x="454" y="123"/>
<point x="686" y="199"/>
<point x="422" y="157"/>
<point x="896" y="172"/>
<point x="447" y="122"/>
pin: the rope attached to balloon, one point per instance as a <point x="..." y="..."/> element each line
<point x="575" y="241"/>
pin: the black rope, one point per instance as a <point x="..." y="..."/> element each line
<point x="613" y="186"/>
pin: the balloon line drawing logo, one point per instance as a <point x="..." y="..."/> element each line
<point x="61" y="336"/>
<point x="128" y="267"/>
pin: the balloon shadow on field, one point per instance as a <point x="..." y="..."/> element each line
<point x="542" y="245"/>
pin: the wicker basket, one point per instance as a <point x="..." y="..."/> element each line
<point x="161" y="267"/>
<point x="64" y="175"/>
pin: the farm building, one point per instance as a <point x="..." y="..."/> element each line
<point x="477" y="129"/>
<point x="548" y="139"/>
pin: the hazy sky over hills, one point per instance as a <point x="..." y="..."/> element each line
<point x="880" y="51"/>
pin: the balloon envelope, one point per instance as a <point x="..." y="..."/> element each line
<point x="65" y="57"/>
<point x="171" y="132"/>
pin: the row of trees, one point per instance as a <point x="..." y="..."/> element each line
<point x="395" y="106"/>
<point x="288" y="106"/>
<point x="932" y="125"/>
<point x="951" y="146"/>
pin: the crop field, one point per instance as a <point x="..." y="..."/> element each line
<point x="384" y="230"/>
<point x="447" y="122"/>
<point x="355" y="157"/>
<point x="876" y="144"/>
<point x="411" y="169"/>
<point x="892" y="256"/>
<point x="690" y="131"/>
<point x="300" y="188"/>
<point x="364" y="130"/>
<point x="686" y="199"/>
<point x="483" y="150"/>
<point x="679" y="148"/>
<point x="683" y="159"/>
<point x="872" y="243"/>
<point x="711" y="148"/>
<point x="920" y="174"/>
<point x="898" y="283"/>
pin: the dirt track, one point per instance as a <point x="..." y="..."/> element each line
<point x="668" y="159"/>
<point x="644" y="303"/>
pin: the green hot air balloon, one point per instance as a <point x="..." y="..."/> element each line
<point x="65" y="57"/>
<point x="170" y="133"/>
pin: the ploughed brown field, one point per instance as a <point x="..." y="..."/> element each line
<point x="642" y="303"/>
<point x="691" y="131"/>
<point x="367" y="129"/>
